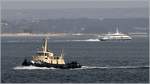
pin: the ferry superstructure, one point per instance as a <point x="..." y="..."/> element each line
<point x="115" y="36"/>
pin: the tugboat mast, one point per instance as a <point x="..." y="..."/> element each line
<point x="45" y="45"/>
<point x="62" y="54"/>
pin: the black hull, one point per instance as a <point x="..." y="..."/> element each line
<point x="71" y="65"/>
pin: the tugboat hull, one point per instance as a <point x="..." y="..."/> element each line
<point x="71" y="65"/>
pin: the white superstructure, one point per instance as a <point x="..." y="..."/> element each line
<point x="115" y="36"/>
<point x="44" y="55"/>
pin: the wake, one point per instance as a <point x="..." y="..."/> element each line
<point x="115" y="67"/>
<point x="83" y="67"/>
<point x="31" y="68"/>
<point x="86" y="40"/>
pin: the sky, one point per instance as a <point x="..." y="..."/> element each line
<point x="71" y="8"/>
<point x="74" y="0"/>
<point x="57" y="4"/>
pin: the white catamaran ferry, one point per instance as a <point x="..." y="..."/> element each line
<point x="115" y="36"/>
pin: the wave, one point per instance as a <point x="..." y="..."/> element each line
<point x="31" y="68"/>
<point x="92" y="40"/>
<point x="14" y="41"/>
<point x="21" y="41"/>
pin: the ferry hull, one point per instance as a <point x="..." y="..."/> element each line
<point x="114" y="39"/>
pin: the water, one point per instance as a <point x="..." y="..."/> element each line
<point x="104" y="62"/>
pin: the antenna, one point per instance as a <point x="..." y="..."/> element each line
<point x="117" y="31"/>
<point x="62" y="53"/>
<point x="45" y="45"/>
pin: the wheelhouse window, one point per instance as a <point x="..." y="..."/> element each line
<point x="40" y="54"/>
<point x="43" y="54"/>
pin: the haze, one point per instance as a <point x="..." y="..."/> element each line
<point x="59" y="4"/>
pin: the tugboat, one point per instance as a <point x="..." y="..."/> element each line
<point x="45" y="58"/>
<point x="115" y="36"/>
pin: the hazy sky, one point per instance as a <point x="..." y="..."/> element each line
<point x="55" y="4"/>
<point x="74" y="0"/>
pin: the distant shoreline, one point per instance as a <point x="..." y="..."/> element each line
<point x="30" y="34"/>
<point x="62" y="34"/>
